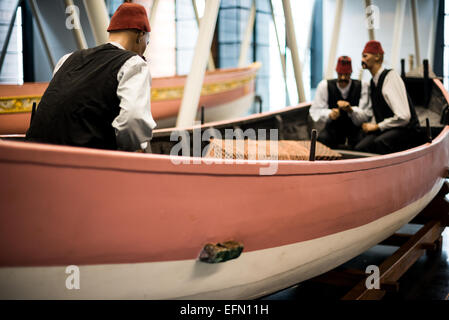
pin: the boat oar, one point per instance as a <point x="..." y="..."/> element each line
<point x="258" y="99"/>
<point x="403" y="68"/>
<point x="426" y="81"/>
<point x="33" y="111"/>
<point x="313" y="145"/>
<point x="202" y="115"/>
<point x="429" y="131"/>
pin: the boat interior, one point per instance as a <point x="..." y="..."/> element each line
<point x="295" y="124"/>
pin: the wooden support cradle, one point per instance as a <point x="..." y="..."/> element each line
<point x="435" y="217"/>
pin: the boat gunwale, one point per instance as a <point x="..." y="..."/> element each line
<point x="113" y="161"/>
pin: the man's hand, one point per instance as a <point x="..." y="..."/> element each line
<point x="335" y="113"/>
<point x="344" y="105"/>
<point x="369" y="127"/>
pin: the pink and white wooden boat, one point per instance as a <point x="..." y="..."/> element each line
<point x="135" y="223"/>
<point x="226" y="94"/>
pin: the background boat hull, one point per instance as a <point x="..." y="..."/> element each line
<point x="226" y="94"/>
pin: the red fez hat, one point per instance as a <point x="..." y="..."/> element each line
<point x="373" y="47"/>
<point x="130" y="16"/>
<point x="344" y="65"/>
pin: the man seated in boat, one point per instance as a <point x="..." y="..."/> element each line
<point x="343" y="104"/>
<point x="396" y="123"/>
<point x="100" y="97"/>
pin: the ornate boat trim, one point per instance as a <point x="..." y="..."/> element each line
<point x="18" y="104"/>
<point x="175" y="93"/>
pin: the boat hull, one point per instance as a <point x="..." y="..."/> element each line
<point x="252" y="275"/>
<point x="142" y="219"/>
<point x="136" y="223"/>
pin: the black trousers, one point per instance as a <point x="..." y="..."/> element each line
<point x="336" y="132"/>
<point x="392" y="140"/>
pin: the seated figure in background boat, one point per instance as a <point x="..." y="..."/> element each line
<point x="100" y="97"/>
<point x="396" y="124"/>
<point x="343" y="104"/>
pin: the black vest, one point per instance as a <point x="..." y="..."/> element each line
<point x="382" y="110"/>
<point x="81" y="100"/>
<point x="334" y="94"/>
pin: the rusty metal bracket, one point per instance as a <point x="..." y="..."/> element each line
<point x="221" y="252"/>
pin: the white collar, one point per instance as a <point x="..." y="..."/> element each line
<point x="118" y="45"/>
<point x="345" y="89"/>
<point x="376" y="77"/>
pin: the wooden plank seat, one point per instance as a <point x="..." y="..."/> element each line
<point x="286" y="150"/>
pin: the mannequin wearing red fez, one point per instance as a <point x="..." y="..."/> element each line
<point x="342" y="105"/>
<point x="100" y="97"/>
<point x="129" y="26"/>
<point x="396" y="124"/>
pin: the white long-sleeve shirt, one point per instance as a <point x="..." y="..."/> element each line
<point x="395" y="94"/>
<point x="319" y="111"/>
<point x="134" y="124"/>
